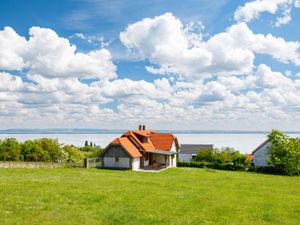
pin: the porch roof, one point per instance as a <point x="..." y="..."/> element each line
<point x="163" y="152"/>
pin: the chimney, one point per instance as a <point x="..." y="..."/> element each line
<point x="140" y="127"/>
<point x="144" y="127"/>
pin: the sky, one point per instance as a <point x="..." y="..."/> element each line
<point x="197" y="65"/>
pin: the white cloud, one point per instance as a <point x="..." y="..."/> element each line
<point x="51" y="85"/>
<point x="48" y="54"/>
<point x="277" y="47"/>
<point x="252" y="10"/>
<point x="12" y="47"/>
<point x="165" y="43"/>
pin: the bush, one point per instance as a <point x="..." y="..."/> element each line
<point x="225" y="158"/>
<point x="217" y="166"/>
<point x="264" y="169"/>
<point x="72" y="154"/>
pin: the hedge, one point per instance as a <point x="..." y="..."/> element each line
<point x="212" y="166"/>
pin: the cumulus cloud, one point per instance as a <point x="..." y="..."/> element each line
<point x="12" y="46"/>
<point x="165" y="43"/>
<point x="48" y="54"/>
<point x="216" y="81"/>
<point x="252" y="10"/>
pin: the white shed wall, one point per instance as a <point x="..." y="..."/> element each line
<point x="185" y="157"/>
<point x="261" y="156"/>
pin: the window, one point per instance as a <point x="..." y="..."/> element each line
<point x="117" y="159"/>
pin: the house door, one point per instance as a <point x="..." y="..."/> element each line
<point x="142" y="162"/>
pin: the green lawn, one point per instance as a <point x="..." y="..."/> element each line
<point x="176" y="196"/>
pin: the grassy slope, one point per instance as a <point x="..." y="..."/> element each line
<point x="176" y="196"/>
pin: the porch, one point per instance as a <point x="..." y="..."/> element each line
<point x="157" y="160"/>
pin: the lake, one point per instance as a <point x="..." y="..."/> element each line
<point x="245" y="143"/>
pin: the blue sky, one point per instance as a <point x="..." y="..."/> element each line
<point x="210" y="64"/>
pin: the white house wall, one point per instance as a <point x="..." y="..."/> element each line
<point x="110" y="162"/>
<point x="172" y="161"/>
<point x="173" y="149"/>
<point x="136" y="163"/>
<point x="261" y="156"/>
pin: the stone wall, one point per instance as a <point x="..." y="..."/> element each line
<point x="29" y="165"/>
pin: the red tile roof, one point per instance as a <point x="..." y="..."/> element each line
<point x="162" y="141"/>
<point x="134" y="141"/>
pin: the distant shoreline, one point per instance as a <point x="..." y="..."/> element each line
<point x="119" y="131"/>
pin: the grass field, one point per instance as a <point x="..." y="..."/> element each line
<point x="176" y="196"/>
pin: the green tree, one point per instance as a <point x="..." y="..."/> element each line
<point x="284" y="153"/>
<point x="208" y="155"/>
<point x="86" y="143"/>
<point x="10" y="149"/>
<point x="38" y="154"/>
<point x="27" y="150"/>
<point x="52" y="148"/>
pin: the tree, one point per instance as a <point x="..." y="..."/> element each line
<point x="91" y="144"/>
<point x="27" y="150"/>
<point x="38" y="154"/>
<point x="52" y="148"/>
<point x="86" y="143"/>
<point x="284" y="153"/>
<point x="208" y="155"/>
<point x="10" y="149"/>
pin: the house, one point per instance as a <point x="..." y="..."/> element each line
<point x="141" y="149"/>
<point x="261" y="154"/>
<point x="190" y="151"/>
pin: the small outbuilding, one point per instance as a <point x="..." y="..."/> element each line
<point x="261" y="154"/>
<point x="190" y="151"/>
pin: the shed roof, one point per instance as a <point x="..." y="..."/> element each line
<point x="194" y="148"/>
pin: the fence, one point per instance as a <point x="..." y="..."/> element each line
<point x="92" y="162"/>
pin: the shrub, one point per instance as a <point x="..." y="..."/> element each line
<point x="264" y="169"/>
<point x="217" y="166"/>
